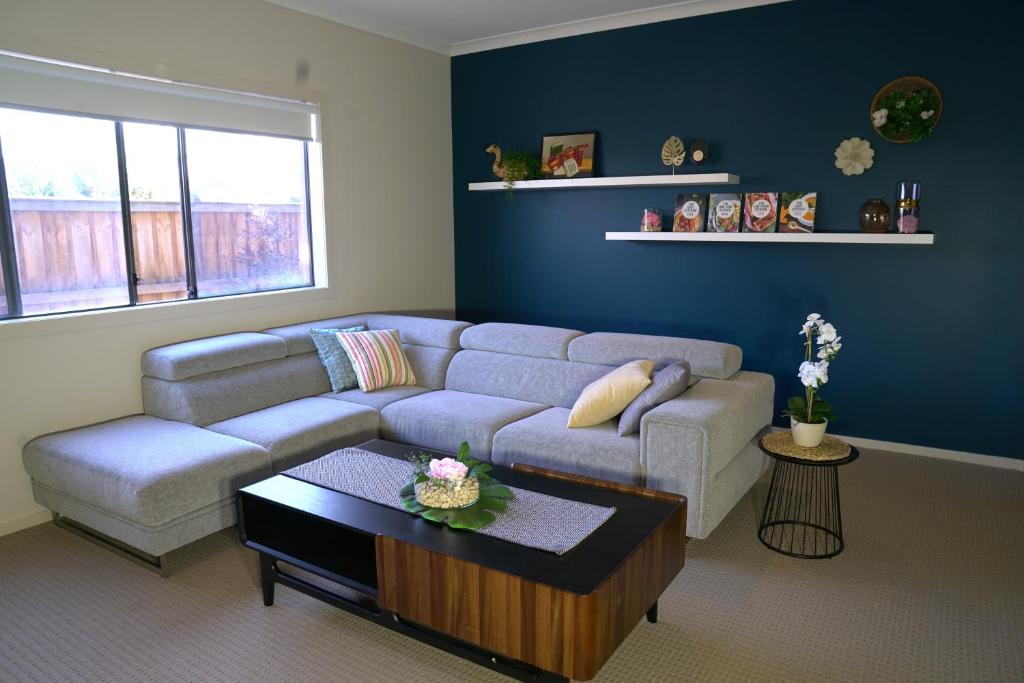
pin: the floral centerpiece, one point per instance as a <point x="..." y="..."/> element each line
<point x="445" y="484"/>
<point x="457" y="491"/>
<point x="809" y="414"/>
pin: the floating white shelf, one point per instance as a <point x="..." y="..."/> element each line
<point x="776" y="237"/>
<point x="614" y="181"/>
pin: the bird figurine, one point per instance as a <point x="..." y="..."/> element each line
<point x="498" y="167"/>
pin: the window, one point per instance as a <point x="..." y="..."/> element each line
<point x="154" y="195"/>
<point x="85" y="197"/>
<point x="65" y="211"/>
<point x="248" y="202"/>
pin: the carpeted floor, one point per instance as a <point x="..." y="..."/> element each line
<point x="930" y="588"/>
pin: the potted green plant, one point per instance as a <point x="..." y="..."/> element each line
<point x="809" y="414"/>
<point x="519" y="165"/>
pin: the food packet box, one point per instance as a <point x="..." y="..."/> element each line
<point x="691" y="213"/>
<point x="760" y="211"/>
<point x="796" y="211"/>
<point x="724" y="212"/>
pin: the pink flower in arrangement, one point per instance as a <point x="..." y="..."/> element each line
<point x="448" y="468"/>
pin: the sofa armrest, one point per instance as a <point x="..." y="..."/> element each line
<point x="685" y="442"/>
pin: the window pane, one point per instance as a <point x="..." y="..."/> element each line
<point x="66" y="211"/>
<point x="151" y="158"/>
<point x="248" y="199"/>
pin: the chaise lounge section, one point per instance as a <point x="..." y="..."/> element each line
<point x="226" y="411"/>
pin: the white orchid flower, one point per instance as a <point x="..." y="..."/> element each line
<point x="814" y="317"/>
<point x="813" y="375"/>
<point x="826" y="333"/>
<point x="829" y="351"/>
<point x="880" y="117"/>
<point x="808" y="374"/>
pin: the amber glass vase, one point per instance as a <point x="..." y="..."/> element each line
<point x="874" y="216"/>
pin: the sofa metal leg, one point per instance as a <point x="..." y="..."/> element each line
<point x="155" y="563"/>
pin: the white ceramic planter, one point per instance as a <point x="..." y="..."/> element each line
<point x="807" y="435"/>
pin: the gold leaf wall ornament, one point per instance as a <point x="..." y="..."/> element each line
<point x="673" y="153"/>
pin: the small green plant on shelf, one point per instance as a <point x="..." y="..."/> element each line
<point x="519" y="165"/>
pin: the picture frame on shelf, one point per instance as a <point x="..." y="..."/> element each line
<point x="568" y="155"/>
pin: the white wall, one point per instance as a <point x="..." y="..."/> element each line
<point x="388" y="194"/>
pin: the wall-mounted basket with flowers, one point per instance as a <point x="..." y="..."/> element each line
<point x="809" y="414"/>
<point x="906" y="110"/>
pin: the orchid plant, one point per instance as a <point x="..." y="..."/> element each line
<point x="811" y="408"/>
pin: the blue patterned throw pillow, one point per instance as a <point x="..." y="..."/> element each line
<point x="333" y="356"/>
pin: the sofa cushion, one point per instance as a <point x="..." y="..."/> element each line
<point x="429" y="364"/>
<point x="378" y="359"/>
<point x="706" y="358"/>
<point x="145" y="469"/>
<point x="296" y="337"/>
<point x="522" y="340"/>
<point x="420" y="331"/>
<point x="298" y="431"/>
<point x="213" y="354"/>
<point x="218" y="396"/>
<point x="667" y="384"/>
<point x="443" y="419"/>
<point x="544" y="440"/>
<point x="376" y="399"/>
<point x="539" y="380"/>
<point x="605" y="398"/>
<point x="333" y="356"/>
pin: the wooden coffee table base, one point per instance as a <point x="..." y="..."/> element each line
<point x="528" y="628"/>
<point x="271" y="574"/>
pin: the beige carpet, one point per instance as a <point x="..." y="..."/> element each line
<point x="931" y="587"/>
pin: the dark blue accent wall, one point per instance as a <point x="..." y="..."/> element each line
<point x="933" y="335"/>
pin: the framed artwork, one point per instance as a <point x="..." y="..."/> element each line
<point x="568" y="155"/>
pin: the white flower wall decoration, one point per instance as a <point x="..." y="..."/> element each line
<point x="854" y="156"/>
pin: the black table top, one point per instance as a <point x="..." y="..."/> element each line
<point x="581" y="570"/>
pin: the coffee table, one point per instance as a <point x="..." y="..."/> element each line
<point x="529" y="614"/>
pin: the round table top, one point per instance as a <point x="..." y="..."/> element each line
<point x="831" y="452"/>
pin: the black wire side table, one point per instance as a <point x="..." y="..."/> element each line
<point x="802" y="517"/>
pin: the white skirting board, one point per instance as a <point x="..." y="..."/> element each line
<point x="25" y="522"/>
<point x="929" y="452"/>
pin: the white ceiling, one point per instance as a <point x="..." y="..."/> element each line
<point x="461" y="26"/>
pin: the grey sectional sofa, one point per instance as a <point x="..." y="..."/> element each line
<point x="226" y="411"/>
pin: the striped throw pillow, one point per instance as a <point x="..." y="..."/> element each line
<point x="378" y="359"/>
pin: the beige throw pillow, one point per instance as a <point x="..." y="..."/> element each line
<point x="605" y="398"/>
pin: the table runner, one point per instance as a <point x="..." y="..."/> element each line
<point x="535" y="520"/>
